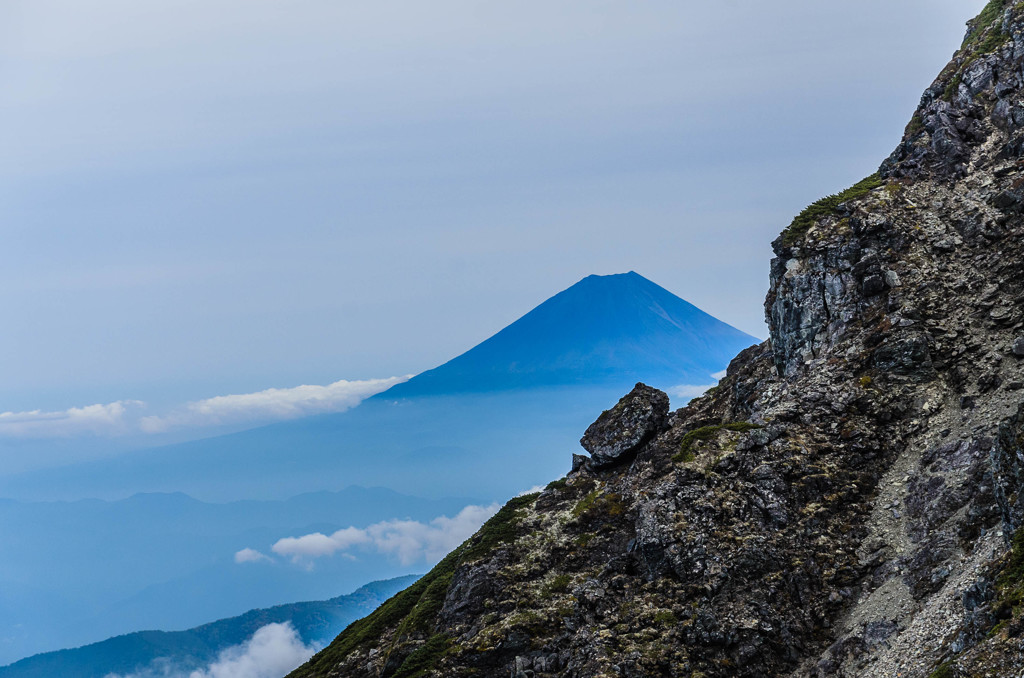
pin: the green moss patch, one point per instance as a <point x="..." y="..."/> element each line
<point x="986" y="32"/>
<point x="985" y="36"/>
<point x="1009" y="601"/>
<point x="803" y="222"/>
<point x="556" y="485"/>
<point x="424" y="658"/>
<point x="686" y="455"/>
<point x="596" y="505"/>
<point x="560" y="584"/>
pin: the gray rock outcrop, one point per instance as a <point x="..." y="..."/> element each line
<point x="619" y="432"/>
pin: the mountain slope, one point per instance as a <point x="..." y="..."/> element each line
<point x="316" y="622"/>
<point x="848" y="502"/>
<point x="613" y="329"/>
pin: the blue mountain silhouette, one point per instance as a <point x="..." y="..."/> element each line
<point x="604" y="330"/>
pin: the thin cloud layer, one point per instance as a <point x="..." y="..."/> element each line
<point x="127" y="417"/>
<point x="270" y="404"/>
<point x="249" y="556"/>
<point x="409" y="541"/>
<point x="108" y="419"/>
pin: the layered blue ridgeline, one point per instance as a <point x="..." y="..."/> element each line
<point x="604" y="330"/>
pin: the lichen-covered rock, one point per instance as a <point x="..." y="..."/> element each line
<point x="619" y="432"/>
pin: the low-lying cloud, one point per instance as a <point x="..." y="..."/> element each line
<point x="108" y="419"/>
<point x="409" y="541"/>
<point x="273" y="651"/>
<point x="130" y="417"/>
<point x="249" y="556"/>
<point x="270" y="404"/>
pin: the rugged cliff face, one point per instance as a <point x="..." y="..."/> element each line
<point x="847" y="502"/>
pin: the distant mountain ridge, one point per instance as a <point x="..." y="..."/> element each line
<point x="316" y="622"/>
<point x="605" y="329"/>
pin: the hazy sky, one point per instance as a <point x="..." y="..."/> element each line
<point x="208" y="197"/>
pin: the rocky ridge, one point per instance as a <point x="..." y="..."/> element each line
<point x="847" y="502"/>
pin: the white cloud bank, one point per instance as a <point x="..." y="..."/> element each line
<point x="271" y="404"/>
<point x="409" y="541"/>
<point x="273" y="651"/>
<point x="103" y="420"/>
<point x="127" y="417"/>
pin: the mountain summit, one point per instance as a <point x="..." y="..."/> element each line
<point x="605" y="329"/>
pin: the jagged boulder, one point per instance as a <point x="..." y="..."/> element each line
<point x="621" y="431"/>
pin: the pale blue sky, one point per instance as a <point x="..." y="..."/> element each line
<point x="221" y="196"/>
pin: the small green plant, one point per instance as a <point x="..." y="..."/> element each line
<point x="985" y="36"/>
<point x="865" y="381"/>
<point x="893" y="188"/>
<point x="424" y="658"/>
<point x="585" y="504"/>
<point x="559" y="484"/>
<point x="665" y="618"/>
<point x="915" y="125"/>
<point x="826" y="207"/>
<point x="560" y="584"/>
<point x="953" y="86"/>
<point x="944" y="670"/>
<point x="583" y="540"/>
<point x="982" y="39"/>
<point x="530" y="622"/>
<point x="686" y="455"/>
<point x="596" y="504"/>
<point x="1010" y="583"/>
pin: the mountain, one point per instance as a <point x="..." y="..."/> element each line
<point x="490" y="423"/>
<point x="611" y="329"/>
<point x="186" y="651"/>
<point x="849" y="501"/>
